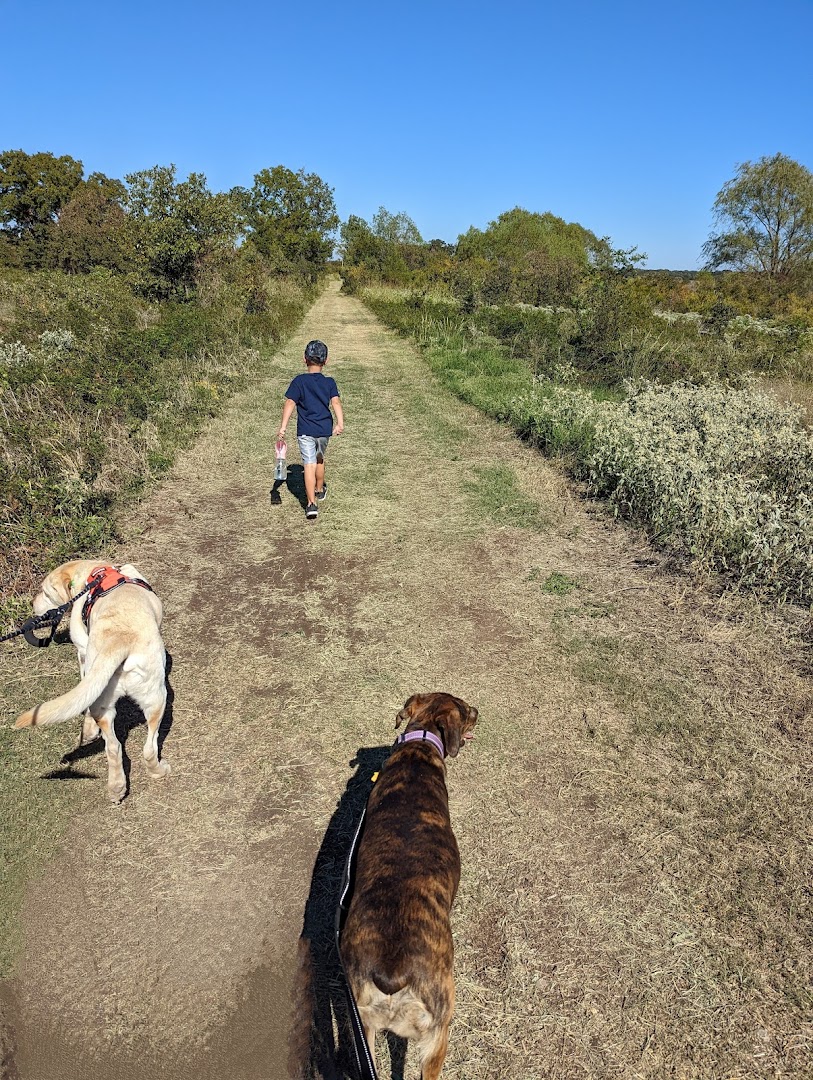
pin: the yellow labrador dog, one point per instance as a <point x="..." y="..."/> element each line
<point x="116" y="631"/>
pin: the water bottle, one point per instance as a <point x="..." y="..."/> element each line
<point x="281" y="466"/>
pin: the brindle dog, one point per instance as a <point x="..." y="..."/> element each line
<point x="396" y="944"/>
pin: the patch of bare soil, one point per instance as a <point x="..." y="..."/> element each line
<point x="631" y="814"/>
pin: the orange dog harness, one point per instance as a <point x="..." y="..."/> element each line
<point x="102" y="580"/>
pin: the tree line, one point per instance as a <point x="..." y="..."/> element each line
<point x="164" y="233"/>
<point x="569" y="304"/>
<point x="522" y="257"/>
<point x="759" y="258"/>
<point x="167" y="234"/>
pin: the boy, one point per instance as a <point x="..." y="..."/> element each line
<point x="313" y="395"/>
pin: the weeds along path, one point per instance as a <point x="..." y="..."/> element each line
<point x="632" y="814"/>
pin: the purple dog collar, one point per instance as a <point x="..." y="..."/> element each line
<point x="422" y="735"/>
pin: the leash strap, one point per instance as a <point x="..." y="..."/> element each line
<point x="36" y="622"/>
<point x="53" y="617"/>
<point x="40" y="643"/>
<point x="364" y="1059"/>
<point x="50" y="618"/>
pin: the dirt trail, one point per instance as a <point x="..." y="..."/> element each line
<point x="161" y="942"/>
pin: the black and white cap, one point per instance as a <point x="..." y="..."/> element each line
<point x="316" y="351"/>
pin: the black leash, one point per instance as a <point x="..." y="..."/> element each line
<point x="364" y="1059"/>
<point x="50" y="618"/>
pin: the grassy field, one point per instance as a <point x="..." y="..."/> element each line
<point x="633" y="814"/>
<point x="713" y="469"/>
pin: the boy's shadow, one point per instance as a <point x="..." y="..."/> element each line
<point x="128" y="716"/>
<point x="296" y="486"/>
<point x="319" y="995"/>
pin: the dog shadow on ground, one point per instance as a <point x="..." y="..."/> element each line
<point x="295" y="484"/>
<point x="128" y="716"/>
<point x="319" y="996"/>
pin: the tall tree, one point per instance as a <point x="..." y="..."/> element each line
<point x="398" y="228"/>
<point x="92" y="228"/>
<point x="176" y="227"/>
<point x="291" y="220"/>
<point x="359" y="246"/>
<point x="33" y="188"/>
<point x="765" y="214"/>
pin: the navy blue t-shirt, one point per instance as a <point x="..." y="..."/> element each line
<point x="312" y="392"/>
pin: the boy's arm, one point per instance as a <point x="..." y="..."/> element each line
<point x="336" y="405"/>
<point x="287" y="413"/>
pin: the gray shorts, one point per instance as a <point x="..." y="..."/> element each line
<point x="312" y="448"/>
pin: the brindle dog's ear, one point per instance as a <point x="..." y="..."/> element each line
<point x="408" y="710"/>
<point x="458" y="725"/>
<point x="451" y="734"/>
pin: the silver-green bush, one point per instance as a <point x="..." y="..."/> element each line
<point x="721" y="474"/>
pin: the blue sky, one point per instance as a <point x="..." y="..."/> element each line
<point x="624" y="116"/>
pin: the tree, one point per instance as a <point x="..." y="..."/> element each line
<point x="766" y="218"/>
<point x="396" y="228"/>
<point x="92" y="229"/>
<point x="390" y="248"/>
<point x="358" y="244"/>
<point x="517" y="233"/>
<point x="176" y="228"/>
<point x="529" y="257"/>
<point x="33" y="188"/>
<point x="362" y="253"/>
<point x="291" y="219"/>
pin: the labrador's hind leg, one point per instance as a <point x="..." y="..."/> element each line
<point x="116" y="780"/>
<point x="154" y="716"/>
<point x="90" y="730"/>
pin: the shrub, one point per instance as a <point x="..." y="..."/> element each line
<point x="720" y="472"/>
<point x="559" y="420"/>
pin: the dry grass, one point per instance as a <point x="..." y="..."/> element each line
<point x="792" y="392"/>
<point x="633" y="814"/>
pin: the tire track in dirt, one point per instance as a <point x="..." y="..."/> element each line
<point x="161" y="942"/>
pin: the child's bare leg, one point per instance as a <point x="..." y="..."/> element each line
<point x="320" y="476"/>
<point x="310" y="482"/>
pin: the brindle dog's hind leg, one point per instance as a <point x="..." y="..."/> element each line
<point x="432" y="1053"/>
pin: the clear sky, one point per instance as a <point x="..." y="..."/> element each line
<point x="626" y="116"/>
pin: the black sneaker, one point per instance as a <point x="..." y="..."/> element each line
<point x="321" y="495"/>
<point x="311" y="511"/>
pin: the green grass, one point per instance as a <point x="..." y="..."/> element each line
<point x="450" y="436"/>
<point x="559" y="584"/>
<point x="496" y="494"/>
<point x="99" y="397"/>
